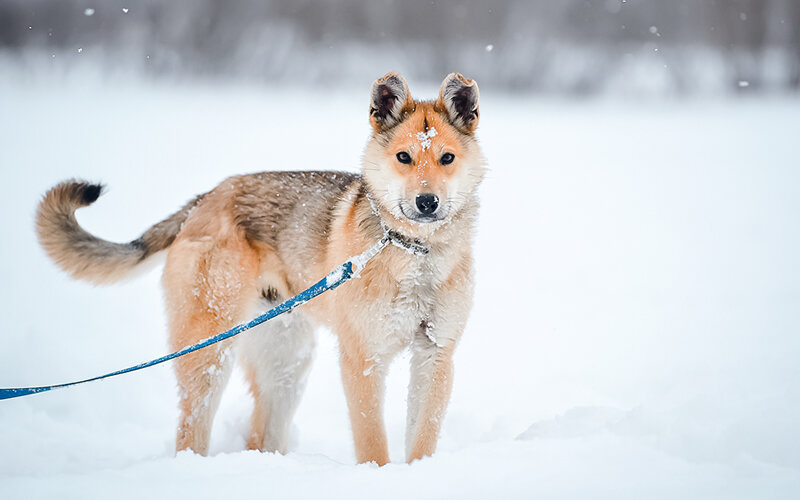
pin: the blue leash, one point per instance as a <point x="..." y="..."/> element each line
<point x="338" y="276"/>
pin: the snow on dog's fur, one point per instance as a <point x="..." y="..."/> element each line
<point x="258" y="239"/>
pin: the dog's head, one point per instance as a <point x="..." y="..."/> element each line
<point x="422" y="163"/>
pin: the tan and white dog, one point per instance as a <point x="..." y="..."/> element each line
<point x="259" y="239"/>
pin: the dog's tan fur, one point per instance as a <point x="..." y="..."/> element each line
<point x="258" y="239"/>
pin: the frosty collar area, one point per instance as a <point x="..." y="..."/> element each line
<point x="410" y="245"/>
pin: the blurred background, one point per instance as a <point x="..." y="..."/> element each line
<point x="566" y="47"/>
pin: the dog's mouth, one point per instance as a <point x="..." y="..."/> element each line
<point x="420" y="218"/>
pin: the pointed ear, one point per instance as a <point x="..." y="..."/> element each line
<point x="459" y="98"/>
<point x="389" y="98"/>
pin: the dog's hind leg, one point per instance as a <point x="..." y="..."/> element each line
<point x="202" y="377"/>
<point x="209" y="286"/>
<point x="276" y="357"/>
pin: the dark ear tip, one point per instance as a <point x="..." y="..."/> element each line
<point x="393" y="75"/>
<point x="459" y="78"/>
<point x="391" y="82"/>
<point x="459" y="96"/>
<point x="388" y="96"/>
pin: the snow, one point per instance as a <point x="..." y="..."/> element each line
<point x="634" y="332"/>
<point x="424" y="137"/>
<point x="334" y="276"/>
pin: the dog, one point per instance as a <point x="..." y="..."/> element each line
<point x="257" y="239"/>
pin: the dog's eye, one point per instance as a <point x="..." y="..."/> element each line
<point x="447" y="158"/>
<point x="404" y="157"/>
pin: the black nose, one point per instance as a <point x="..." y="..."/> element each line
<point x="427" y="203"/>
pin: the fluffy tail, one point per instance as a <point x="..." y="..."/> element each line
<point x="87" y="257"/>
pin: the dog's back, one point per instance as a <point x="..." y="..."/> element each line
<point x="290" y="211"/>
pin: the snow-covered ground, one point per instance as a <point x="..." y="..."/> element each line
<point x="635" y="330"/>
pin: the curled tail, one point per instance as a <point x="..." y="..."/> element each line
<point x="85" y="256"/>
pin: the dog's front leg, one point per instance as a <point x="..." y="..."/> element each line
<point x="363" y="375"/>
<point x="428" y="393"/>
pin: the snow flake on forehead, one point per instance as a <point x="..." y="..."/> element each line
<point x="424" y="138"/>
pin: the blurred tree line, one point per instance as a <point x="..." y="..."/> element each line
<point x="578" y="46"/>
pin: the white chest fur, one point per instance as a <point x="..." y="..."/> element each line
<point x="393" y="321"/>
